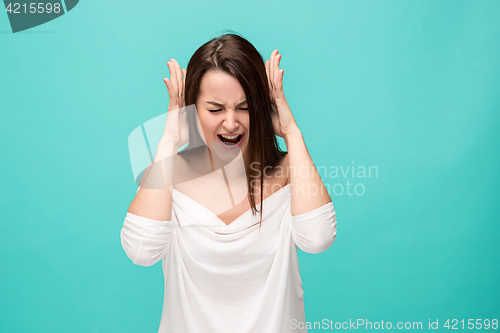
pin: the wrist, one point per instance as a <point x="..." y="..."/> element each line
<point x="164" y="150"/>
<point x="293" y="135"/>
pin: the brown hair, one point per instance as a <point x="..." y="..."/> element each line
<point x="236" y="56"/>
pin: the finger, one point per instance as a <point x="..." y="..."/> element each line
<point x="173" y="77"/>
<point x="169" y="86"/>
<point x="276" y="68"/>
<point x="172" y="98"/>
<point x="178" y="73"/>
<point x="184" y="73"/>
<point x="282" y="71"/>
<point x="172" y="95"/>
<point x="271" y="65"/>
<point x="266" y="64"/>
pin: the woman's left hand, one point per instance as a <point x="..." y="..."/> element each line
<point x="283" y="121"/>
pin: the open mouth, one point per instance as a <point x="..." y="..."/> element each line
<point x="231" y="141"/>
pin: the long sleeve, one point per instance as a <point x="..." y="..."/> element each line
<point x="315" y="231"/>
<point x="144" y="240"/>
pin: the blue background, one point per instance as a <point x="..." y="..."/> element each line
<point x="411" y="87"/>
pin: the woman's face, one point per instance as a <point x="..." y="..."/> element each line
<point x="223" y="113"/>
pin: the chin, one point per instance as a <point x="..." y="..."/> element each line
<point x="221" y="154"/>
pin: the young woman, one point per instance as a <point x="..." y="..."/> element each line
<point x="227" y="268"/>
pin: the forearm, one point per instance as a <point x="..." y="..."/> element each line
<point x="154" y="198"/>
<point x="307" y="188"/>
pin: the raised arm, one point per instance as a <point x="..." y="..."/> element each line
<point x="154" y="198"/>
<point x="314" y="223"/>
<point x="308" y="190"/>
<point x="146" y="231"/>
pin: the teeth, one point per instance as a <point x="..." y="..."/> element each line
<point x="230" y="137"/>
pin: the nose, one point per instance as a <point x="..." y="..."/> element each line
<point x="231" y="123"/>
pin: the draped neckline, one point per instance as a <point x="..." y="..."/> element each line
<point x="212" y="215"/>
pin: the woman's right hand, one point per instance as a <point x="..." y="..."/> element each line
<point x="175" y="85"/>
<point x="176" y="132"/>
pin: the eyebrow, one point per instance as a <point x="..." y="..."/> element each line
<point x="222" y="105"/>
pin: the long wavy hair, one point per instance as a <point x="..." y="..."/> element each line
<point x="236" y="56"/>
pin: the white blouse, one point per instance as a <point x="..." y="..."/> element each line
<point x="230" y="278"/>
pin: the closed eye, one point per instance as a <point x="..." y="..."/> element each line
<point x="221" y="109"/>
